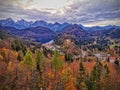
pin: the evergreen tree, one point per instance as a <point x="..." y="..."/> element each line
<point x="18" y="45"/>
<point x="68" y="57"/>
<point x="81" y="78"/>
<point x="93" y="83"/>
<point x="116" y="62"/>
<point x="56" y="62"/>
<point x="106" y="78"/>
<point x="20" y="55"/>
<point x="39" y="67"/>
<point x="28" y="60"/>
<point x="3" y="87"/>
<point x="106" y="71"/>
<point x="39" y="60"/>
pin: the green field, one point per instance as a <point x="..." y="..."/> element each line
<point x="112" y="46"/>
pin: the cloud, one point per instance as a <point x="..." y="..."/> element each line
<point x="101" y="12"/>
<point x="94" y="11"/>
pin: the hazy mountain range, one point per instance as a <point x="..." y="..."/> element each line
<point x="43" y="32"/>
<point x="22" y="24"/>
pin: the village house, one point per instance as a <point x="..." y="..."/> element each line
<point x="112" y="59"/>
<point x="102" y="56"/>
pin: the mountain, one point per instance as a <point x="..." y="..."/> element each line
<point x="38" y="34"/>
<point x="20" y="24"/>
<point x="113" y="33"/>
<point x="80" y="36"/>
<point x="76" y="29"/>
<point x="96" y="28"/>
<point x="3" y="34"/>
<point x="43" y="32"/>
<point x="23" y="24"/>
<point x="56" y="27"/>
<point x="74" y="33"/>
<point x="7" y="22"/>
<point x="39" y="23"/>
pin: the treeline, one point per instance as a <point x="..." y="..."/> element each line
<point x="34" y="72"/>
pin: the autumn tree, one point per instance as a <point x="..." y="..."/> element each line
<point x="4" y="55"/>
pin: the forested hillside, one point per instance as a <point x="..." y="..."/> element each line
<point x="26" y="65"/>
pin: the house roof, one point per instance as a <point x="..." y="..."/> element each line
<point x="112" y="58"/>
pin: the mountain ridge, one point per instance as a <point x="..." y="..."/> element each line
<point x="38" y="34"/>
<point x="77" y="33"/>
<point x="56" y="27"/>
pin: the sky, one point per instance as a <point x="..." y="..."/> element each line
<point x="86" y="12"/>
